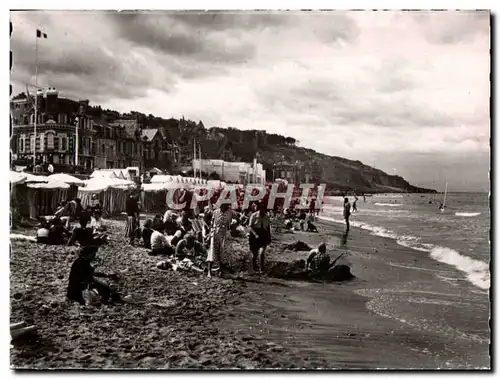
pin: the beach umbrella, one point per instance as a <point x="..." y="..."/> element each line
<point x="50" y="185"/>
<point x="65" y="178"/>
<point x="30" y="178"/>
<point x="17" y="177"/>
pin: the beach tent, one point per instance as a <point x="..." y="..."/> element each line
<point x="73" y="182"/>
<point x="44" y="197"/>
<point x="154" y="196"/>
<point x="111" y="192"/>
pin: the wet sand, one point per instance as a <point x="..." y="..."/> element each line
<point x="388" y="317"/>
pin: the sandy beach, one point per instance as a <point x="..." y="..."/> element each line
<point x="397" y="313"/>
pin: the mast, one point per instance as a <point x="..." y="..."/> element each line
<point x="445" y="191"/>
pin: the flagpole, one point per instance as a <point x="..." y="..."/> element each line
<point x="194" y="158"/>
<point x="36" y="101"/>
<point x="199" y="156"/>
<point x="76" y="142"/>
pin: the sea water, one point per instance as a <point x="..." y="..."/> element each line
<point x="459" y="236"/>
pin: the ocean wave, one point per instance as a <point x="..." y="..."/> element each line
<point x="477" y="272"/>
<point x="388" y="205"/>
<point x="467" y="214"/>
<point x="394" y="196"/>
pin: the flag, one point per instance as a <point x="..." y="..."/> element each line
<point x="39" y="34"/>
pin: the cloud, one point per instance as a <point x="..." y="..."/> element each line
<point x="166" y="34"/>
<point x="387" y="88"/>
<point x="452" y="27"/>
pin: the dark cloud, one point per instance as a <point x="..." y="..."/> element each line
<point x="163" y="33"/>
<point x="331" y="27"/>
<point x="450" y="27"/>
<point x="216" y="20"/>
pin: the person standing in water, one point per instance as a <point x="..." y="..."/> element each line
<point x="354" y="204"/>
<point x="347" y="214"/>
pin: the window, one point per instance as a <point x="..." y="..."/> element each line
<point x="21" y="145"/>
<point x="64" y="143"/>
<point x="32" y="143"/>
<point x="50" y="141"/>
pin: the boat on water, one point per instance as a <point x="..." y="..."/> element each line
<point x="443" y="205"/>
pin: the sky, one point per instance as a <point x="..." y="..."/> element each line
<point x="405" y="92"/>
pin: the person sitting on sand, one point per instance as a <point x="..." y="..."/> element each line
<point x="64" y="213"/>
<point x="58" y="233"/>
<point x="98" y="227"/>
<point x="318" y="261"/>
<point x="160" y="245"/>
<point x="169" y="222"/>
<point x="260" y="236"/>
<point x="184" y="223"/>
<point x="42" y="234"/>
<point x="82" y="276"/>
<point x="189" y="248"/>
<point x="319" y="266"/>
<point x="158" y="223"/>
<point x="82" y="234"/>
<point x="311" y="227"/>
<point x="146" y="233"/>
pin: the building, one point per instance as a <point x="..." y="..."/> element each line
<point x="156" y="151"/>
<point x="295" y="173"/>
<point x="235" y="172"/>
<point x="101" y="145"/>
<point x="54" y="142"/>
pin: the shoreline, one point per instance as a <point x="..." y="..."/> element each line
<point x="257" y="323"/>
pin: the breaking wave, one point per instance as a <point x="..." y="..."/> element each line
<point x="476" y="271"/>
<point x="467" y="214"/>
<point x="388" y="205"/>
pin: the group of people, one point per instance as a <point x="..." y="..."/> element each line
<point x="193" y="239"/>
<point x="55" y="229"/>
<point x="189" y="240"/>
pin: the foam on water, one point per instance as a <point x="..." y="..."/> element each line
<point x="477" y="271"/>
<point x="467" y="214"/>
<point x="388" y="205"/>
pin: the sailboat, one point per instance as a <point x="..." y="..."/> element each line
<point x="443" y="206"/>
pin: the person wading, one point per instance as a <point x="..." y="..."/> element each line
<point x="347" y="214"/>
<point x="260" y="236"/>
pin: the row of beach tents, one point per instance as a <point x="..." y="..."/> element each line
<point x="38" y="195"/>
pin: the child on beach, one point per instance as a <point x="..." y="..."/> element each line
<point x="82" y="276"/>
<point x="82" y="234"/>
